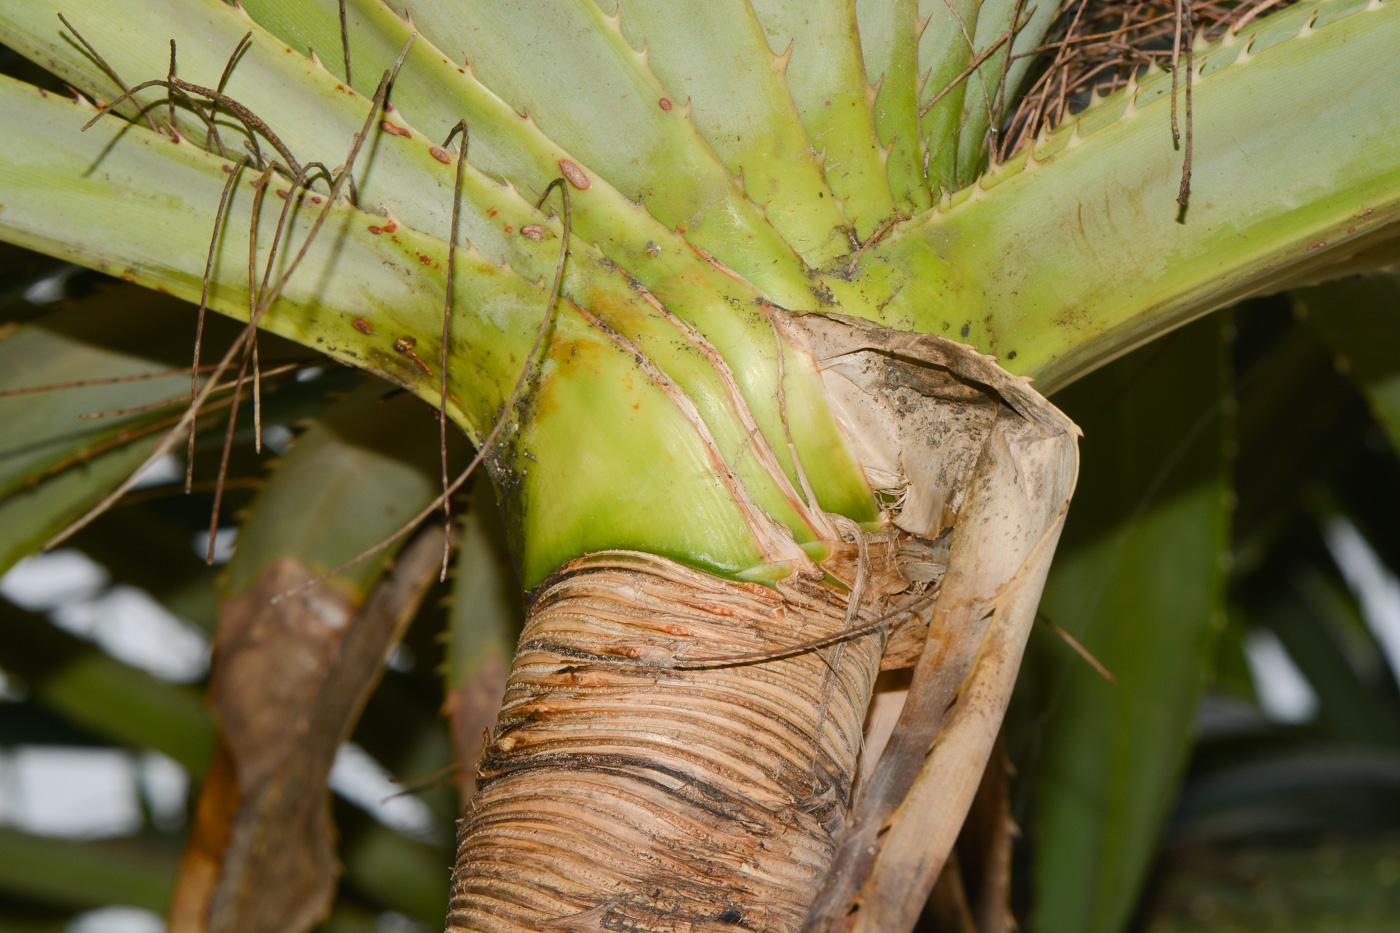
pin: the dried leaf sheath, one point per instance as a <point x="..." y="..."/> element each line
<point x="981" y="453"/>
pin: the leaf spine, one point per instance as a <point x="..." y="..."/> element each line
<point x="780" y="62"/>
<point x="920" y="27"/>
<point x="1307" y="29"/>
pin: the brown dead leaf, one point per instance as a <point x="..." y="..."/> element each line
<point x="290" y="680"/>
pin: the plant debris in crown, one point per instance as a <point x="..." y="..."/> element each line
<point x="1097" y="45"/>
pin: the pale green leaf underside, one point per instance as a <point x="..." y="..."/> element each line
<point x="587" y="391"/>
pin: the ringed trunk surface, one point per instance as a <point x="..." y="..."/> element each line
<point x="620" y="792"/>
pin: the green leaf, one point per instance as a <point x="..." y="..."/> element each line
<point x="353" y="478"/>
<point x="986" y="94"/>
<point x="1087" y="254"/>
<point x="1299" y="594"/>
<point x="889" y="42"/>
<point x="400" y="874"/>
<point x="55" y="463"/>
<point x="1139" y="581"/>
<point x="826" y="76"/>
<point x="86" y="874"/>
<point x="576" y="76"/>
<point x="946" y="48"/>
<point x="715" y="56"/>
<point x="1359" y="318"/>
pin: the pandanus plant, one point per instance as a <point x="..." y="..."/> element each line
<point x="740" y="303"/>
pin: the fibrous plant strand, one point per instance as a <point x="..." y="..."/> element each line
<point x="204" y="307"/>
<point x="254" y="294"/>
<point x="461" y="127"/>
<point x="107" y="68"/>
<point x="962" y="76"/>
<point x="850" y="633"/>
<point x="489" y="441"/>
<point x="1097" y="46"/>
<point x="168" y="441"/>
<point x="345" y="41"/>
<point x="151" y="406"/>
<point x="250" y="120"/>
<point x="233" y="59"/>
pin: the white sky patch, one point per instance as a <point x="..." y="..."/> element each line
<point x="167" y="469"/>
<point x="70" y="792"/>
<point x="392" y="922"/>
<point x="51" y="287"/>
<point x="1374" y="586"/>
<point x="124" y="621"/>
<point x="224" y="540"/>
<point x="131" y="626"/>
<point x="360" y="779"/>
<point x="46" y="581"/>
<point x="116" y="920"/>
<point x="165" y="786"/>
<point x="1284" y="693"/>
<point x="11" y="690"/>
<point x="279" y="438"/>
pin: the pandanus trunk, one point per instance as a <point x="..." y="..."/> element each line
<point x="622" y="793"/>
<point x="679" y="751"/>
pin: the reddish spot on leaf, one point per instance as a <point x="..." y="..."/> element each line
<point x="534" y="232"/>
<point x="491" y="212"/>
<point x="393" y="130"/>
<point x="405" y="345"/>
<point x="574" y="174"/>
<point x="442" y="155"/>
<point x="424" y="259"/>
<point x="361" y="325"/>
<point x="665" y="103"/>
<point x="1318" y="245"/>
<point x="390" y="227"/>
